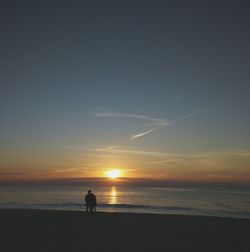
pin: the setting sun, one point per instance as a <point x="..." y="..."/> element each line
<point x="113" y="174"/>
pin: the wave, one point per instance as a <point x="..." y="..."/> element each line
<point x="148" y="207"/>
<point x="121" y="206"/>
<point x="174" y="189"/>
<point x="101" y="205"/>
<point x="130" y="208"/>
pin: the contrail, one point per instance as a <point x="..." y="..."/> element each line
<point x="165" y="123"/>
<point x="190" y="115"/>
<point x="143" y="133"/>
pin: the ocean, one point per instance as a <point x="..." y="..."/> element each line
<point x="162" y="200"/>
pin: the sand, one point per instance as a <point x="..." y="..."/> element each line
<point x="48" y="230"/>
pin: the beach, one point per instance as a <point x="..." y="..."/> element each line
<point x="51" y="230"/>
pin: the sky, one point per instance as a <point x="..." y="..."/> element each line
<point x="157" y="89"/>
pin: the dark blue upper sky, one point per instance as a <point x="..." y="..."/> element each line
<point x="83" y="73"/>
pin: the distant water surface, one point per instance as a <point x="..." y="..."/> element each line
<point x="187" y="201"/>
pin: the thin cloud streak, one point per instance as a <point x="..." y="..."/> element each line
<point x="166" y="156"/>
<point x="107" y="148"/>
<point x="162" y="161"/>
<point x="134" y="152"/>
<point x="128" y="115"/>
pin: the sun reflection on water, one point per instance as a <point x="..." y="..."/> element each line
<point x="113" y="196"/>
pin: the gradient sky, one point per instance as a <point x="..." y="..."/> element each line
<point x="158" y="89"/>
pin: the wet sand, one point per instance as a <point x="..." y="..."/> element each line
<point x="49" y="230"/>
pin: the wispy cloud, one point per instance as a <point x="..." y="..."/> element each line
<point x="162" y="161"/>
<point x="136" y="152"/>
<point x="128" y="115"/>
<point x="107" y="148"/>
<point x="70" y="147"/>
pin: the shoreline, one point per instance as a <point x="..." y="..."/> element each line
<point x="123" y="213"/>
<point x="66" y="230"/>
<point x="129" y="212"/>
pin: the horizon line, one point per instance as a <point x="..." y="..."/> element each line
<point x="124" y="181"/>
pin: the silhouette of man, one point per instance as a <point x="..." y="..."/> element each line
<point x="88" y="201"/>
<point x="94" y="202"/>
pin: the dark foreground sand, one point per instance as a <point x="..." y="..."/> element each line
<point x="44" y="230"/>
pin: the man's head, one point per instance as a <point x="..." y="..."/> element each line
<point x="89" y="191"/>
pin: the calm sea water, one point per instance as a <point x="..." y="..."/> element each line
<point x="226" y="203"/>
